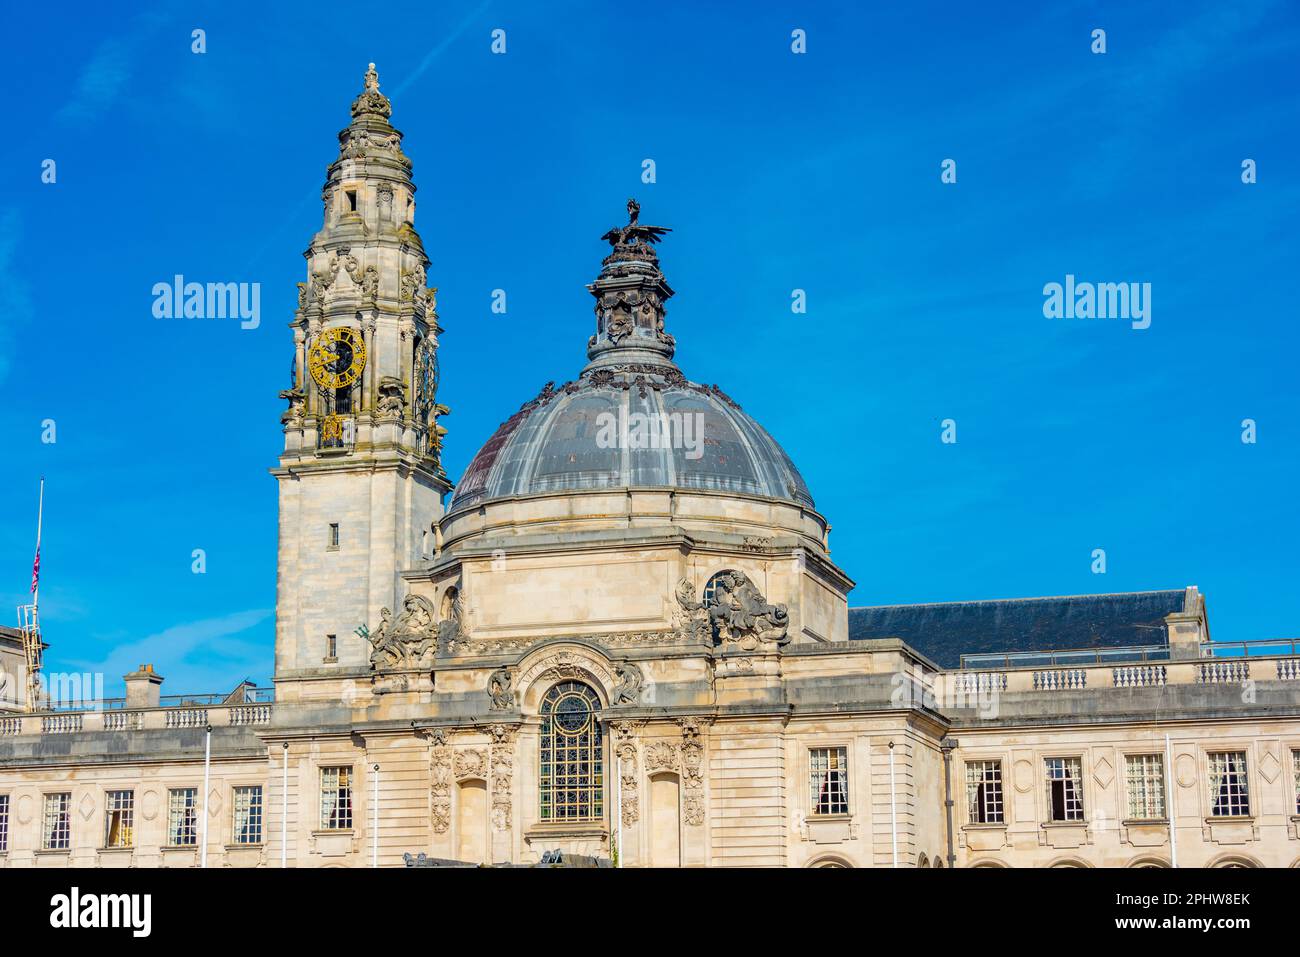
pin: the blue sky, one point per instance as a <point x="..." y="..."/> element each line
<point x="776" y="171"/>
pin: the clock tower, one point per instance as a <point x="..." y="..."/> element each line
<point x="360" y="478"/>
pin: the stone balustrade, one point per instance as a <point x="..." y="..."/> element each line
<point x="1201" y="671"/>
<point x="122" y="720"/>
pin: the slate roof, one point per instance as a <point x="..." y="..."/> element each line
<point x="945" y="631"/>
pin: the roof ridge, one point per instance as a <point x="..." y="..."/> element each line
<point x="993" y="601"/>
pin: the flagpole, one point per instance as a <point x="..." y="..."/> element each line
<point x="40" y="514"/>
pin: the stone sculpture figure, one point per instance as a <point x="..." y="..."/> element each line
<point x="501" y="690"/>
<point x="449" y="629"/>
<point x="391" y="398"/>
<point x="406" y="642"/>
<point x="630" y="680"/>
<point x="692" y="617"/>
<point x="742" y="617"/>
<point x="297" y="400"/>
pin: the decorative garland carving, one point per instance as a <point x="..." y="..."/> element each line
<point x="509" y="646"/>
<point x="502" y="776"/>
<point x="692" y="771"/>
<point x="471" y="763"/>
<point x="625" y="752"/>
<point x="661" y="756"/>
<point x="441" y="782"/>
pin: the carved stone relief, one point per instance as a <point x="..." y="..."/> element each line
<point x="408" y="642"/>
<point x="625" y="754"/>
<point x="441" y="782"/>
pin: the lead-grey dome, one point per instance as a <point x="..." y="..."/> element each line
<point x="631" y="419"/>
<point x="554" y="443"/>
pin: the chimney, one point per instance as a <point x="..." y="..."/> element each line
<point x="143" y="688"/>
<point x="1188" y="628"/>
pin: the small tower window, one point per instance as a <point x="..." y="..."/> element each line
<point x="352" y="200"/>
<point x="331" y="647"/>
<point x="334" y="535"/>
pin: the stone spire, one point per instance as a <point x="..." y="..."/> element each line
<point x="630" y="295"/>
<point x="367" y="287"/>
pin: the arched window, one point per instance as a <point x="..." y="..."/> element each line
<point x="711" y="586"/>
<point x="571" y="772"/>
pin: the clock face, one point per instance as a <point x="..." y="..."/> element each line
<point x="337" y="357"/>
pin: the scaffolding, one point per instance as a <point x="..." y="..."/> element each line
<point x="29" y="624"/>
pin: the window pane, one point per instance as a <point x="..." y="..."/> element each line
<point x="56" y="833"/>
<point x="248" y="815"/>
<point x="1064" y="789"/>
<point x="336" y="798"/>
<point x="1229" y="794"/>
<point x="984" y="792"/>
<point x="1146" y="786"/>
<point x="119" y="819"/>
<point x="182" y="817"/>
<point x="571" y="758"/>
<point x="828" y="780"/>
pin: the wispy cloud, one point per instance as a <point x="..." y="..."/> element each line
<point x="194" y="655"/>
<point x="108" y="72"/>
<point x="432" y="56"/>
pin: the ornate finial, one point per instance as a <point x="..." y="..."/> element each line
<point x="634" y="234"/>
<point x="630" y="295"/>
<point x="371" y="101"/>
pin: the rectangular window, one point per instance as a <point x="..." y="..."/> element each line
<point x="335" y="799"/>
<point x="1064" y="789"/>
<point x="248" y="815"/>
<point x="182" y="817"/>
<point x="984" y="791"/>
<point x="352" y="200"/>
<point x="1145" y="774"/>
<point x="334" y="535"/>
<point x="1229" y="792"/>
<point x="56" y="832"/>
<point x="1295" y="772"/>
<point x="119" y="819"/>
<point x="331" y="647"/>
<point x="828" y="771"/>
<point x="4" y="823"/>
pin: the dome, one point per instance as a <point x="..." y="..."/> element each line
<point x="631" y="419"/>
<point x="631" y="429"/>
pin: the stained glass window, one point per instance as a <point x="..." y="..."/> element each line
<point x="572" y="768"/>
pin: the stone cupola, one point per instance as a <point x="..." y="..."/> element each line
<point x="630" y="295"/>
